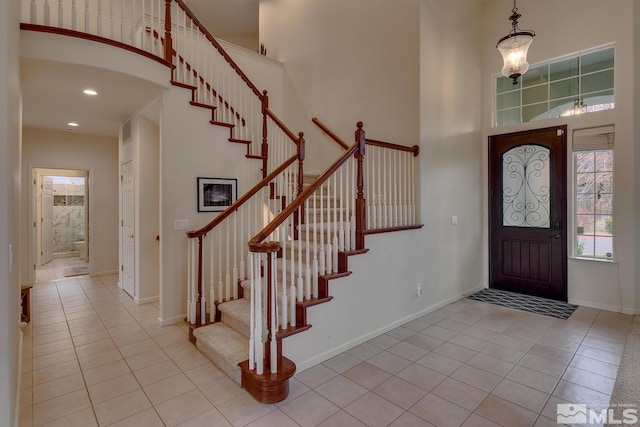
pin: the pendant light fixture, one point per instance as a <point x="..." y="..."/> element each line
<point x="514" y="47"/>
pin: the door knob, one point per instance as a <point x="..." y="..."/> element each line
<point x="556" y="236"/>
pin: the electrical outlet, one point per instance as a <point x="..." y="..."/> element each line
<point x="454" y="220"/>
<point x="419" y="289"/>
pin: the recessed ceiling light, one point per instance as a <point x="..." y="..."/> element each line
<point x="90" y="92"/>
<point x="73" y="124"/>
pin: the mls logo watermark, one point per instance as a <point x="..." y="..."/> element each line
<point x="571" y="413"/>
<point x="568" y="413"/>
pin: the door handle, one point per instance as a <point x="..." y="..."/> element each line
<point x="556" y="236"/>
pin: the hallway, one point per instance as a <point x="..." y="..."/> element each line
<point x="93" y="357"/>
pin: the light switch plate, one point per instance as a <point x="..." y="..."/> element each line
<point x="181" y="224"/>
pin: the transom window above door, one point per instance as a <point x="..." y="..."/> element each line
<point x="579" y="84"/>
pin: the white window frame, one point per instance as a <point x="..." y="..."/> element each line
<point x="592" y="139"/>
<point x="519" y="89"/>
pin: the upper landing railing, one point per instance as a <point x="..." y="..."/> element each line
<point x="168" y="32"/>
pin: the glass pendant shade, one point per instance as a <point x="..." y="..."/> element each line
<point x="514" y="54"/>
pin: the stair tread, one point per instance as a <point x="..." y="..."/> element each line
<point x="238" y="309"/>
<point x="225" y="347"/>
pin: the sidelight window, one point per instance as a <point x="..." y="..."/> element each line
<point x="593" y="187"/>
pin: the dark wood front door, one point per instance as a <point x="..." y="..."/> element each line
<point x="528" y="212"/>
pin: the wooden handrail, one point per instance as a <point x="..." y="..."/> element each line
<point x="332" y="135"/>
<point x="356" y="149"/>
<point x="242" y="200"/>
<point x="92" y="37"/>
<point x="281" y="125"/>
<point x="415" y="149"/>
<point x="217" y="45"/>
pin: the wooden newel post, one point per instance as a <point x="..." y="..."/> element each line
<point x="265" y="143"/>
<point x="168" y="42"/>
<point x="361" y="205"/>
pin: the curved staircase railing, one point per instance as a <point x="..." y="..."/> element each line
<point x="307" y="244"/>
<point x="303" y="232"/>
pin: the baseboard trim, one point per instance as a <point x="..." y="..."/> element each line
<point x="606" y="307"/>
<point x="147" y="300"/>
<point x="171" y="320"/>
<point x="19" y="382"/>
<point x="306" y="364"/>
<point x="103" y="273"/>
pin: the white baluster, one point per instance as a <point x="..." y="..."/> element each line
<point x="252" y="308"/>
<point x="322" y="257"/>
<point x="111" y="20"/>
<point x="274" y="315"/>
<point x="99" y="21"/>
<point x="227" y="277"/>
<point x="189" y="277"/>
<point x="283" y="244"/>
<point x="33" y="12"/>
<point x="352" y="219"/>
<point x="203" y="308"/>
<point x="395" y="172"/>
<point x="47" y="13"/>
<point x="194" y="284"/>
<point x="300" y="283"/>
<point x="292" y="305"/>
<point x="221" y="295"/>
<point x="60" y="15"/>
<point x="329" y="250"/>
<point x="315" y="267"/>
<point x="347" y="205"/>
<point x="242" y="244"/>
<point x="336" y="218"/>
<point x="307" y="270"/>
<point x="122" y="21"/>
<point x="285" y="307"/>
<point x="86" y="16"/>
<point x="235" y="256"/>
<point x="259" y="343"/>
<point x="340" y="214"/>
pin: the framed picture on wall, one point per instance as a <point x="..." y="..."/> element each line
<point x="216" y="194"/>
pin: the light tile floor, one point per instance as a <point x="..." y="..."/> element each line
<point x="93" y="357"/>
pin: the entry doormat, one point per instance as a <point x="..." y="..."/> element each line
<point x="547" y="307"/>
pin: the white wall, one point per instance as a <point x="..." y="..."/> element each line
<point x="405" y="69"/>
<point x="596" y="284"/>
<point x="346" y="61"/>
<point x="265" y="73"/>
<point x="147" y="205"/>
<point x="190" y="147"/>
<point x="636" y="119"/>
<point x="10" y="107"/>
<point x="68" y="150"/>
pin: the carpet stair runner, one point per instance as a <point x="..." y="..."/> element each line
<point x="226" y="343"/>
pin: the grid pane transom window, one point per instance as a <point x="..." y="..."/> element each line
<point x="581" y="84"/>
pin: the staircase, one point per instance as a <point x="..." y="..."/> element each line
<point x="226" y="342"/>
<point x="255" y="269"/>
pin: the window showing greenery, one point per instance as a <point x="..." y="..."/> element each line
<point x="581" y="84"/>
<point x="593" y="164"/>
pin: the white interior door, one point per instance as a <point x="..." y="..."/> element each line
<point x="46" y="220"/>
<point x="127" y="229"/>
